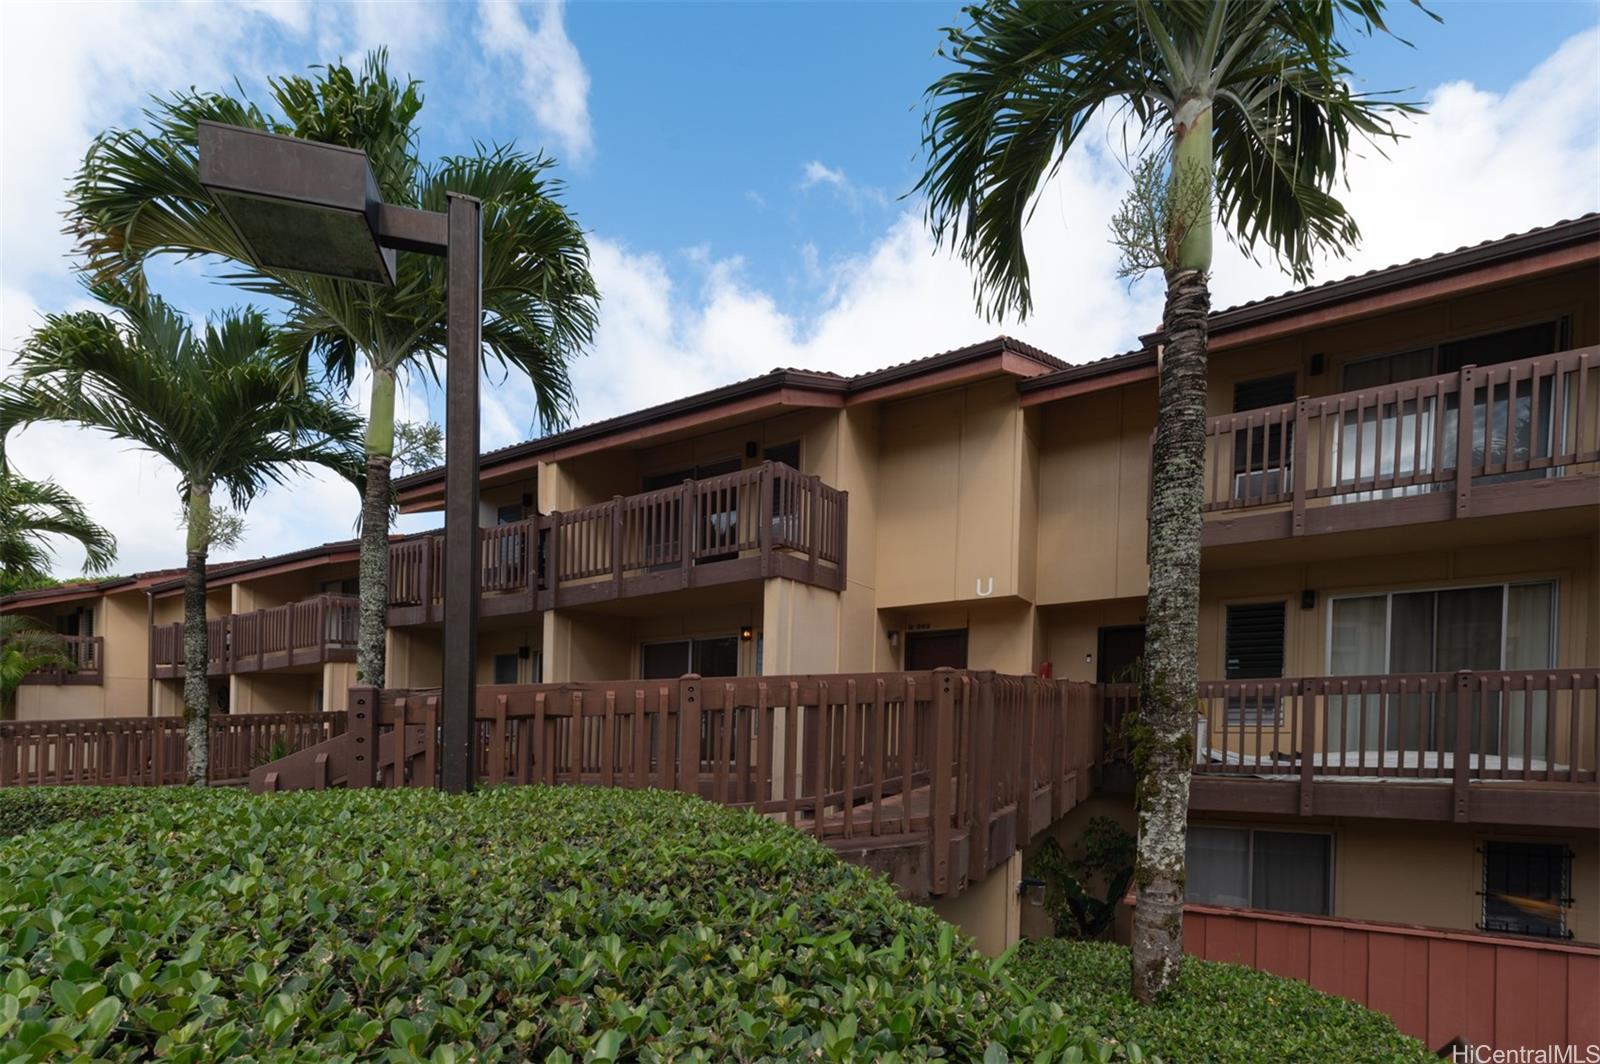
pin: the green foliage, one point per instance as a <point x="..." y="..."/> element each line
<point x="24" y="809"/>
<point x="26" y="646"/>
<point x="31" y="511"/>
<point x="1215" y="1012"/>
<point x="1102" y="858"/>
<point x="515" y="923"/>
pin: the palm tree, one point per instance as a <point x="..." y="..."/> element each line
<point x="1243" y="113"/>
<point x="31" y="511"/>
<point x="217" y="407"/>
<point x="138" y="194"/>
<point x="25" y="646"/>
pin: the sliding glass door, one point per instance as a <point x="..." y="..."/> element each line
<point x="1494" y="627"/>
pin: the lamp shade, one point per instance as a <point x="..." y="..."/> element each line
<point x="296" y="204"/>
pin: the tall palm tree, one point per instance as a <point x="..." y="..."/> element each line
<point x="216" y="406"/>
<point x="25" y="646"/>
<point x="32" y="511"/>
<point x="1245" y="115"/>
<point x="138" y="194"/>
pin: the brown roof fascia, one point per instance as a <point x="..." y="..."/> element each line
<point x="54" y="596"/>
<point x="232" y="572"/>
<point x="1543" y="251"/>
<point x="781" y="388"/>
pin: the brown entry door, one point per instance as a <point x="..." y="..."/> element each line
<point x="1121" y="648"/>
<point x="945" y="649"/>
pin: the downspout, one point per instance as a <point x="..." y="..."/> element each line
<point x="149" y="652"/>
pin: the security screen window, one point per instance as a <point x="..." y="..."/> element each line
<point x="1526" y="888"/>
<point x="1286" y="871"/>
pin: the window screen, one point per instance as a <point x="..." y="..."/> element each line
<point x="1255" y="641"/>
<point x="1526" y="888"/>
<point x="1287" y="871"/>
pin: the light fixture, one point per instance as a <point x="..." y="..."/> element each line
<point x="746" y="634"/>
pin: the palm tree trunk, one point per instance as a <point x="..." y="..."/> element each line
<point x="196" y="643"/>
<point x="372" y="649"/>
<point x="1163" y="745"/>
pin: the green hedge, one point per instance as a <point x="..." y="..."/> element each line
<point x="517" y="923"/>
<point x="24" y="809"/>
<point x="1220" y="1012"/>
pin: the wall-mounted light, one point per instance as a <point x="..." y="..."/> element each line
<point x="1308" y="599"/>
<point x="894" y="638"/>
<point x="527" y="499"/>
<point x="746" y="634"/>
<point x="524" y="652"/>
<point x="751" y="448"/>
<point x="1318" y="362"/>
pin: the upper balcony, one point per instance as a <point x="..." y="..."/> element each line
<point x="87" y="655"/>
<point x="768" y="520"/>
<point x="318" y="630"/>
<point x="1391" y="455"/>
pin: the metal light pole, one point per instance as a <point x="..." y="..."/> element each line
<point x="315" y="208"/>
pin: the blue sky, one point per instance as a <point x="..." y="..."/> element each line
<point x="740" y="168"/>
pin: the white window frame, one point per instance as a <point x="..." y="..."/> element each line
<point x="1388" y="615"/>
<point x="1250" y="860"/>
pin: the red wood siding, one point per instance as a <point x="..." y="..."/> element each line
<point x="1436" y="984"/>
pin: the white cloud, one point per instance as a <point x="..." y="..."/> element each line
<point x="816" y="173"/>
<point x="855" y="196"/>
<point x="551" y="77"/>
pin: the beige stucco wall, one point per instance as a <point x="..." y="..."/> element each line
<point x="413" y="658"/>
<point x="1430" y="874"/>
<point x="508" y="641"/>
<point x="121" y="619"/>
<point x="989" y="910"/>
<point x="274" y="692"/>
<point x="951" y="496"/>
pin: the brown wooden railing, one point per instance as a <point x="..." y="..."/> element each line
<point x="87" y="654"/>
<point x="769" y="520"/>
<point x="1529" y="419"/>
<point x="149" y="751"/>
<point x="937" y="776"/>
<point x="324" y="628"/>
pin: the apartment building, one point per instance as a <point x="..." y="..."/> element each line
<point x="1399" y="659"/>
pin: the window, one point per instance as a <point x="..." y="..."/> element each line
<point x="945" y="649"/>
<point x="1287" y="871"/>
<point x="1499" y="626"/>
<point x="506" y="515"/>
<point x="1254" y="651"/>
<point x="1403" y="434"/>
<point x="1261" y="456"/>
<point x="348" y="586"/>
<point x="1527" y="888"/>
<point x="505" y="668"/>
<point x="710" y="656"/>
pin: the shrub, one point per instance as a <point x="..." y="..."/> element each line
<point x="1217" y="1012"/>
<point x="24" y="809"/>
<point x="543" y="923"/>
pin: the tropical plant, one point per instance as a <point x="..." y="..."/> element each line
<point x="1239" y="111"/>
<point x="216" y="406"/>
<point x="32" y="511"/>
<point x="1083" y="885"/>
<point x="138" y="194"/>
<point x="26" y="646"/>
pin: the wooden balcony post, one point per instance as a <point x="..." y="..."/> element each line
<point x="844" y="536"/>
<point x="425" y="577"/>
<point x="552" y="558"/>
<point x="814" y="488"/>
<point x="1461" y="768"/>
<point x="686" y="531"/>
<point x="361" y="735"/>
<point x="616" y="546"/>
<point x="1308" y="742"/>
<point x="941" y="770"/>
<point x="1465" y="422"/>
<point x="688" y="734"/>
<point x="1298" y="468"/>
<point x="764" y="517"/>
<point x="980" y="793"/>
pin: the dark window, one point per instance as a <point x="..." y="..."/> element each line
<point x="714" y="656"/>
<point x="506" y="515"/>
<point x="1254" y="651"/>
<point x="787" y="453"/>
<point x="351" y="586"/>
<point x="1527" y="888"/>
<point x="505" y="668"/>
<point x="1261" y="455"/>
<point x="1287" y="871"/>
<point x="1255" y="641"/>
<point x="1508" y="345"/>
<point x="936" y="650"/>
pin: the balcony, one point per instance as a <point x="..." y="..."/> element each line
<point x="1392" y="455"/>
<point x="1484" y="747"/>
<point x="317" y="630"/>
<point x="87" y="654"/>
<point x="769" y="520"/>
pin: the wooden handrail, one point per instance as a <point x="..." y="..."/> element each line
<point x="87" y="656"/>
<point x="320" y="623"/>
<point x="147" y="751"/>
<point x="1528" y="418"/>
